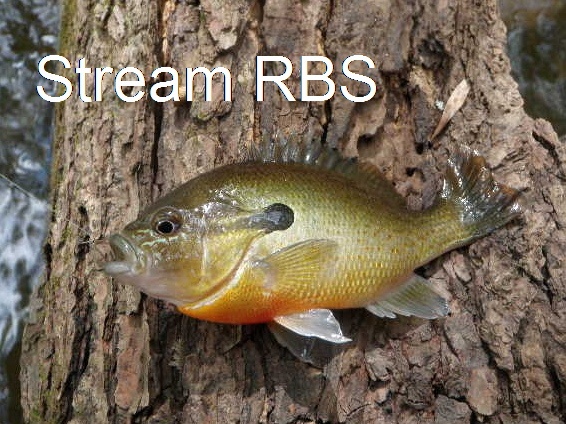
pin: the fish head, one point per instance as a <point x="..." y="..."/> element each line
<point x="185" y="255"/>
<point x="160" y="253"/>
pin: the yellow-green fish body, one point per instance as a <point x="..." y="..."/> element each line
<point x="295" y="232"/>
<point x="346" y="247"/>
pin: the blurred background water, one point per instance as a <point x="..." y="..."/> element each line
<point x="537" y="48"/>
<point x="28" y="31"/>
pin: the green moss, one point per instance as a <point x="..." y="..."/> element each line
<point x="68" y="17"/>
<point x="39" y="415"/>
<point x="35" y="416"/>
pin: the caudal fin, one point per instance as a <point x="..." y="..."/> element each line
<point x="482" y="203"/>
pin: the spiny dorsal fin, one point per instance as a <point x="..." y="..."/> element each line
<point x="313" y="153"/>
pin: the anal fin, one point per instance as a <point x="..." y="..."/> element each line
<point x="414" y="298"/>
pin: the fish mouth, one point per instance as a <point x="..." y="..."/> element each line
<point x="128" y="257"/>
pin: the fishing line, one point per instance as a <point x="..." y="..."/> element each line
<point x="82" y="231"/>
<point x="18" y="187"/>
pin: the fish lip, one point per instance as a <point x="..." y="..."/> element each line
<point x="128" y="257"/>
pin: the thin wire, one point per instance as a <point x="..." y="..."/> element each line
<point x="82" y="231"/>
<point x="21" y="189"/>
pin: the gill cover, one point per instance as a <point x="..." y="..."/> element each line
<point x="183" y="256"/>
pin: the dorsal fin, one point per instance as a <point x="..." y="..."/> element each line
<point x="314" y="153"/>
<point x="282" y="150"/>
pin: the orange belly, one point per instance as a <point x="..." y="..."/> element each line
<point x="245" y="305"/>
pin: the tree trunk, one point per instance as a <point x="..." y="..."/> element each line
<point x="95" y="351"/>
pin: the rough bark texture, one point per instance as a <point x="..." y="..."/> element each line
<point x="98" y="352"/>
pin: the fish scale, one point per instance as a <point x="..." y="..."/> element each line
<point x="285" y="237"/>
<point x="347" y="215"/>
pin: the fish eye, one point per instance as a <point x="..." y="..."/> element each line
<point x="167" y="222"/>
<point x="165" y="227"/>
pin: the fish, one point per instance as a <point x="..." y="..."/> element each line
<point x="295" y="231"/>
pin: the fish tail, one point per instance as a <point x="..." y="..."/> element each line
<point x="482" y="204"/>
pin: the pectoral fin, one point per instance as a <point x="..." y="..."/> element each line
<point x="415" y="297"/>
<point x="296" y="267"/>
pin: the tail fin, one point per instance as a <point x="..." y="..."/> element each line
<point x="482" y="203"/>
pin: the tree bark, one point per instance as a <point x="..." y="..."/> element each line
<point x="95" y="351"/>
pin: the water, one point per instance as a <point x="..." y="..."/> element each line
<point x="27" y="32"/>
<point x="537" y="47"/>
